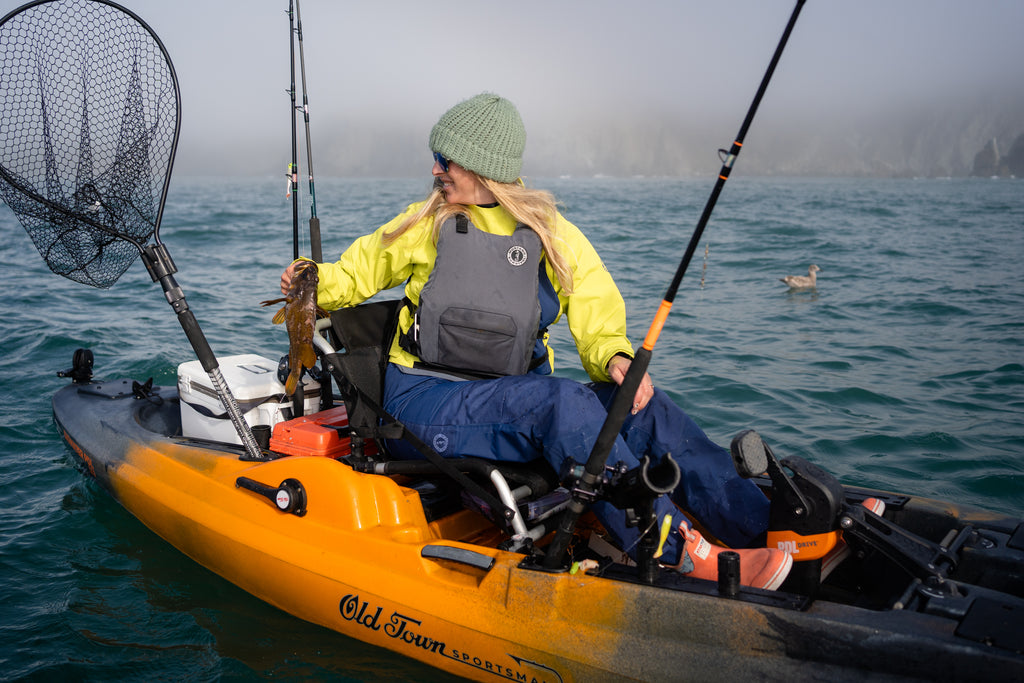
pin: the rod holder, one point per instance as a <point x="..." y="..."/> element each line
<point x="728" y="573"/>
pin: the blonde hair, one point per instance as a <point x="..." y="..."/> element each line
<point x="536" y="209"/>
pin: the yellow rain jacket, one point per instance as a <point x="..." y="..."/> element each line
<point x="595" y="310"/>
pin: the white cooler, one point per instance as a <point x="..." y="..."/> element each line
<point x="253" y="382"/>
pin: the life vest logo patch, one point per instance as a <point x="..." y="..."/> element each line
<point x="440" y="443"/>
<point x="517" y="255"/>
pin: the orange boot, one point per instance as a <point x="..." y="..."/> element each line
<point x="763" y="568"/>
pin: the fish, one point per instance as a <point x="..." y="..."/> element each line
<point x="299" y="314"/>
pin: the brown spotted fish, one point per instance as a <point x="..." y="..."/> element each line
<point x="299" y="315"/>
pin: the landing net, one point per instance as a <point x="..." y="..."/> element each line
<point x="89" y="110"/>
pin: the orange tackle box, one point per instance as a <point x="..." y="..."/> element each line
<point x="322" y="433"/>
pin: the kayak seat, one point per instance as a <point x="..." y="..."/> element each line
<point x="513" y="495"/>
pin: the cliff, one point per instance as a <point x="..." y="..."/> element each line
<point x="989" y="163"/>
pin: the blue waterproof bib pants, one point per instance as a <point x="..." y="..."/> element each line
<point x="521" y="418"/>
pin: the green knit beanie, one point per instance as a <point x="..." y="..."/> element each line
<point x="483" y="134"/>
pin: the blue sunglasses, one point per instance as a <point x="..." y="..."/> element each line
<point x="442" y="161"/>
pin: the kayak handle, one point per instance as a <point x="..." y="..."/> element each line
<point x="288" y="496"/>
<point x="461" y="555"/>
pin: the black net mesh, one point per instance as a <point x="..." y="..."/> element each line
<point x="89" y="106"/>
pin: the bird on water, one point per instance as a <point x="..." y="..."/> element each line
<point x="803" y="281"/>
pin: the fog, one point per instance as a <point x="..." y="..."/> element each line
<point x="873" y="87"/>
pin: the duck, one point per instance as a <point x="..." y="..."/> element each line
<point x="803" y="281"/>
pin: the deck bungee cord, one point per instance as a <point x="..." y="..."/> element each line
<point x="295" y="32"/>
<point x="92" y="115"/>
<point x="591" y="479"/>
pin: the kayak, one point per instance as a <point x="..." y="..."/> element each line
<point x="408" y="562"/>
<point x="482" y="571"/>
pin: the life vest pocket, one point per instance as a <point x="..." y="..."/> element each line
<point x="480" y="340"/>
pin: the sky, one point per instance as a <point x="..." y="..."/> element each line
<point x="640" y="87"/>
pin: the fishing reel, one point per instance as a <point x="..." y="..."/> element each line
<point x="284" y="369"/>
<point x="634" y="491"/>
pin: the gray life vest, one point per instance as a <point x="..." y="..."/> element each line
<point x="479" y="311"/>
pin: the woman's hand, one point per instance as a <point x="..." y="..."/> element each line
<point x="617" y="368"/>
<point x="286" y="277"/>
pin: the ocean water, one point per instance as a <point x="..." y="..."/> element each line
<point x="903" y="370"/>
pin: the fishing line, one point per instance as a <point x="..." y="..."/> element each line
<point x="704" y="269"/>
<point x="695" y="311"/>
<point x="591" y="480"/>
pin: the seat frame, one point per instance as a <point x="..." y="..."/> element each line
<point x="353" y="345"/>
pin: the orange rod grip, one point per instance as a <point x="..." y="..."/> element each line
<point x="659" y="322"/>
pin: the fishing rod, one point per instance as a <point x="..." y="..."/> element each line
<point x="314" y="222"/>
<point x="293" y="168"/>
<point x="590" y="481"/>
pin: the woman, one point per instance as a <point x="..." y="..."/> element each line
<point x="488" y="265"/>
